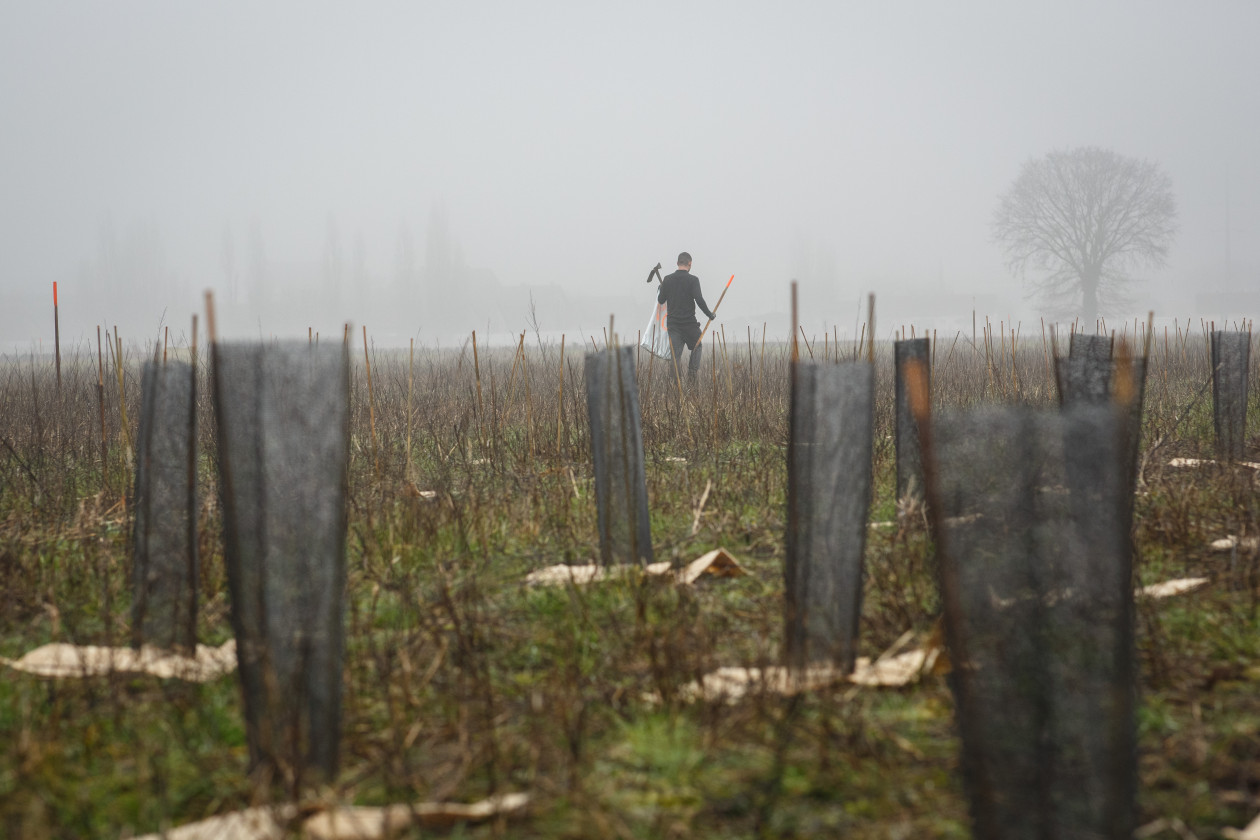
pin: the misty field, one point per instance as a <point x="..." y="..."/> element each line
<point x="462" y="682"/>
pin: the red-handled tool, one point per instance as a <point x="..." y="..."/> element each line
<point x="715" y="309"/>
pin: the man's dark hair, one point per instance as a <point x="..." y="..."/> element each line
<point x="684" y="258"/>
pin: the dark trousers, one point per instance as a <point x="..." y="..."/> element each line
<point x="687" y="335"/>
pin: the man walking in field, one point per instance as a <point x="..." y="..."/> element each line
<point x="680" y="292"/>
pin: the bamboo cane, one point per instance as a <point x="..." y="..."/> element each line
<point x="367" y="362"/>
<point x="870" y="317"/>
<point x="124" y="433"/>
<point x="796" y="352"/>
<point x="808" y="349"/>
<point x="1014" y="373"/>
<point x="57" y="336"/>
<point x="192" y="350"/>
<point x="100" y="399"/>
<point x="411" y="378"/>
<point x="713" y="410"/>
<point x="529" y="402"/>
<point x="726" y="363"/>
<point x="518" y="358"/>
<point x="560" y="401"/>
<point x="1045" y="351"/>
<point x="761" y="364"/>
<point x="477" y="373"/>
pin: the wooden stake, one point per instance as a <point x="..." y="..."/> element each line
<point x="411" y="379"/>
<point x="519" y="357"/>
<point x="651" y="368"/>
<point x="726" y="363"/>
<point x="1014" y="374"/>
<point x="529" y="402"/>
<point x="713" y="426"/>
<point x="808" y="349"/>
<point x="477" y="373"/>
<point x="870" y="319"/>
<point x="796" y="352"/>
<point x="367" y="361"/>
<point x="212" y="334"/>
<point x="57" y="335"/>
<point x="560" y="401"/>
<point x="100" y="399"/>
<point x="192" y="350"/>
<point x="761" y="363"/>
<point x="124" y="434"/>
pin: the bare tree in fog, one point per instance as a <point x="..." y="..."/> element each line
<point x="1085" y="217"/>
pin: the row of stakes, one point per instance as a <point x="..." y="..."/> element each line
<point x="1030" y="510"/>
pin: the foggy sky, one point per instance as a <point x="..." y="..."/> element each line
<point x="854" y="146"/>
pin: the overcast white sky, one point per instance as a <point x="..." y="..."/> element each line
<point x="857" y="145"/>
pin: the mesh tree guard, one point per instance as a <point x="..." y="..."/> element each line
<point x="283" y="414"/>
<point x="1085" y="375"/>
<point x="612" y="408"/>
<point x="1231" y="357"/>
<point x="828" y="499"/>
<point x="909" y="458"/>
<point x="1093" y="375"/>
<point x="1031" y="519"/>
<point x="164" y="567"/>
<point x="1129" y="396"/>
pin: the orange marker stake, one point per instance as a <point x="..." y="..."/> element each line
<point x="57" y="335"/>
<point x="715" y="309"/>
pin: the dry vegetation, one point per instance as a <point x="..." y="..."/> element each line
<point x="460" y="682"/>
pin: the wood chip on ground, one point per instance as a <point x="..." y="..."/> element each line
<point x="1203" y="462"/>
<point x="892" y="669"/>
<point x="65" y="661"/>
<point x="1251" y="832"/>
<point x="262" y="823"/>
<point x="1231" y="542"/>
<point x="717" y="563"/>
<point x="345" y="822"/>
<point x="1169" y="588"/>
<point x="360" y="823"/>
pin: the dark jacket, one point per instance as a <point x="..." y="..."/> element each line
<point x="680" y="292"/>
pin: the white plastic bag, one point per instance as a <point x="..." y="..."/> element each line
<point x="656" y="335"/>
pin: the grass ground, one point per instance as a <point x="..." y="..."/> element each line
<point x="460" y="682"/>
